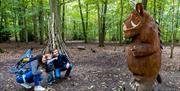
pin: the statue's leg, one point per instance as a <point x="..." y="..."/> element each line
<point x="142" y="83"/>
<point x="135" y="83"/>
<point x="147" y="84"/>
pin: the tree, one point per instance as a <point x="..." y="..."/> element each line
<point x="172" y="32"/>
<point x="54" y="39"/>
<point x="63" y="19"/>
<point x="34" y="21"/>
<point x="83" y="24"/>
<point x="160" y="12"/>
<point x="121" y="16"/>
<point x="14" y="21"/>
<point x="102" y="21"/>
<point x="177" y="22"/>
<point x="41" y="21"/>
<point x="22" y="21"/>
<point x="99" y="22"/>
<point x="87" y="12"/>
<point x="154" y="9"/>
<point x="145" y="4"/>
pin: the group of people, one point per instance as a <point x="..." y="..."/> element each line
<point x="53" y="63"/>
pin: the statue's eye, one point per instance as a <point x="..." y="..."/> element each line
<point x="136" y="17"/>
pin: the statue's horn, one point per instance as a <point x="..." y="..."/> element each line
<point x="133" y="3"/>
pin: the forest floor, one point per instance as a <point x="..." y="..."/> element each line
<point x="104" y="70"/>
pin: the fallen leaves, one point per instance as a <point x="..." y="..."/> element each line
<point x="99" y="71"/>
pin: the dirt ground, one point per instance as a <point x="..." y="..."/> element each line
<point x="104" y="70"/>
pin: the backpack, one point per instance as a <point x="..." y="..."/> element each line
<point x="22" y="66"/>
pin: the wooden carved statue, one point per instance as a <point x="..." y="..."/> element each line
<point x="144" y="52"/>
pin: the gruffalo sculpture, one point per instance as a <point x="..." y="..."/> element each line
<point x="144" y="52"/>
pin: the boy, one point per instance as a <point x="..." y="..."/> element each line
<point x="50" y="68"/>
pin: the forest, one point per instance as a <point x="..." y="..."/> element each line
<point x="91" y="33"/>
<point x="27" y="20"/>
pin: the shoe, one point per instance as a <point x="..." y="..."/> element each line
<point x="26" y="85"/>
<point x="39" y="88"/>
<point x="54" y="80"/>
<point x="68" y="78"/>
<point x="49" y="83"/>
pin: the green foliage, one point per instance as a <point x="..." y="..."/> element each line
<point x="12" y="11"/>
<point x="75" y="36"/>
<point x="5" y="34"/>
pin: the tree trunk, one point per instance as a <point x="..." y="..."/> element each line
<point x="99" y="22"/>
<point x="177" y="21"/>
<point x="2" y="16"/>
<point x="83" y="25"/>
<point x="14" y="24"/>
<point x="74" y="25"/>
<point x="172" y="33"/>
<point x="54" y="39"/>
<point x="41" y="21"/>
<point x="154" y="9"/>
<point x="145" y="4"/>
<point x="34" y="22"/>
<point x="104" y="9"/>
<point x="1" y="24"/>
<point x="15" y="31"/>
<point x="25" y="22"/>
<point x="162" y="14"/>
<point x="20" y="23"/>
<point x="120" y="37"/>
<point x="87" y="12"/>
<point x="63" y="20"/>
<point x="21" y="20"/>
<point x="25" y="28"/>
<point x="159" y="12"/>
<point x="58" y="14"/>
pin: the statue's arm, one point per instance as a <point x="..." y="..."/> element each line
<point x="143" y="49"/>
<point x="148" y="45"/>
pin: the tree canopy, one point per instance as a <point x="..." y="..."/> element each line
<point x="27" y="20"/>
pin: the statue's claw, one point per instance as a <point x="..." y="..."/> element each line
<point x="134" y="85"/>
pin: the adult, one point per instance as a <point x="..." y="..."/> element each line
<point x="33" y="75"/>
<point x="61" y="64"/>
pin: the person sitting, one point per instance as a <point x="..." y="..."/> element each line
<point x="62" y="64"/>
<point x="50" y="68"/>
<point x="33" y="75"/>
